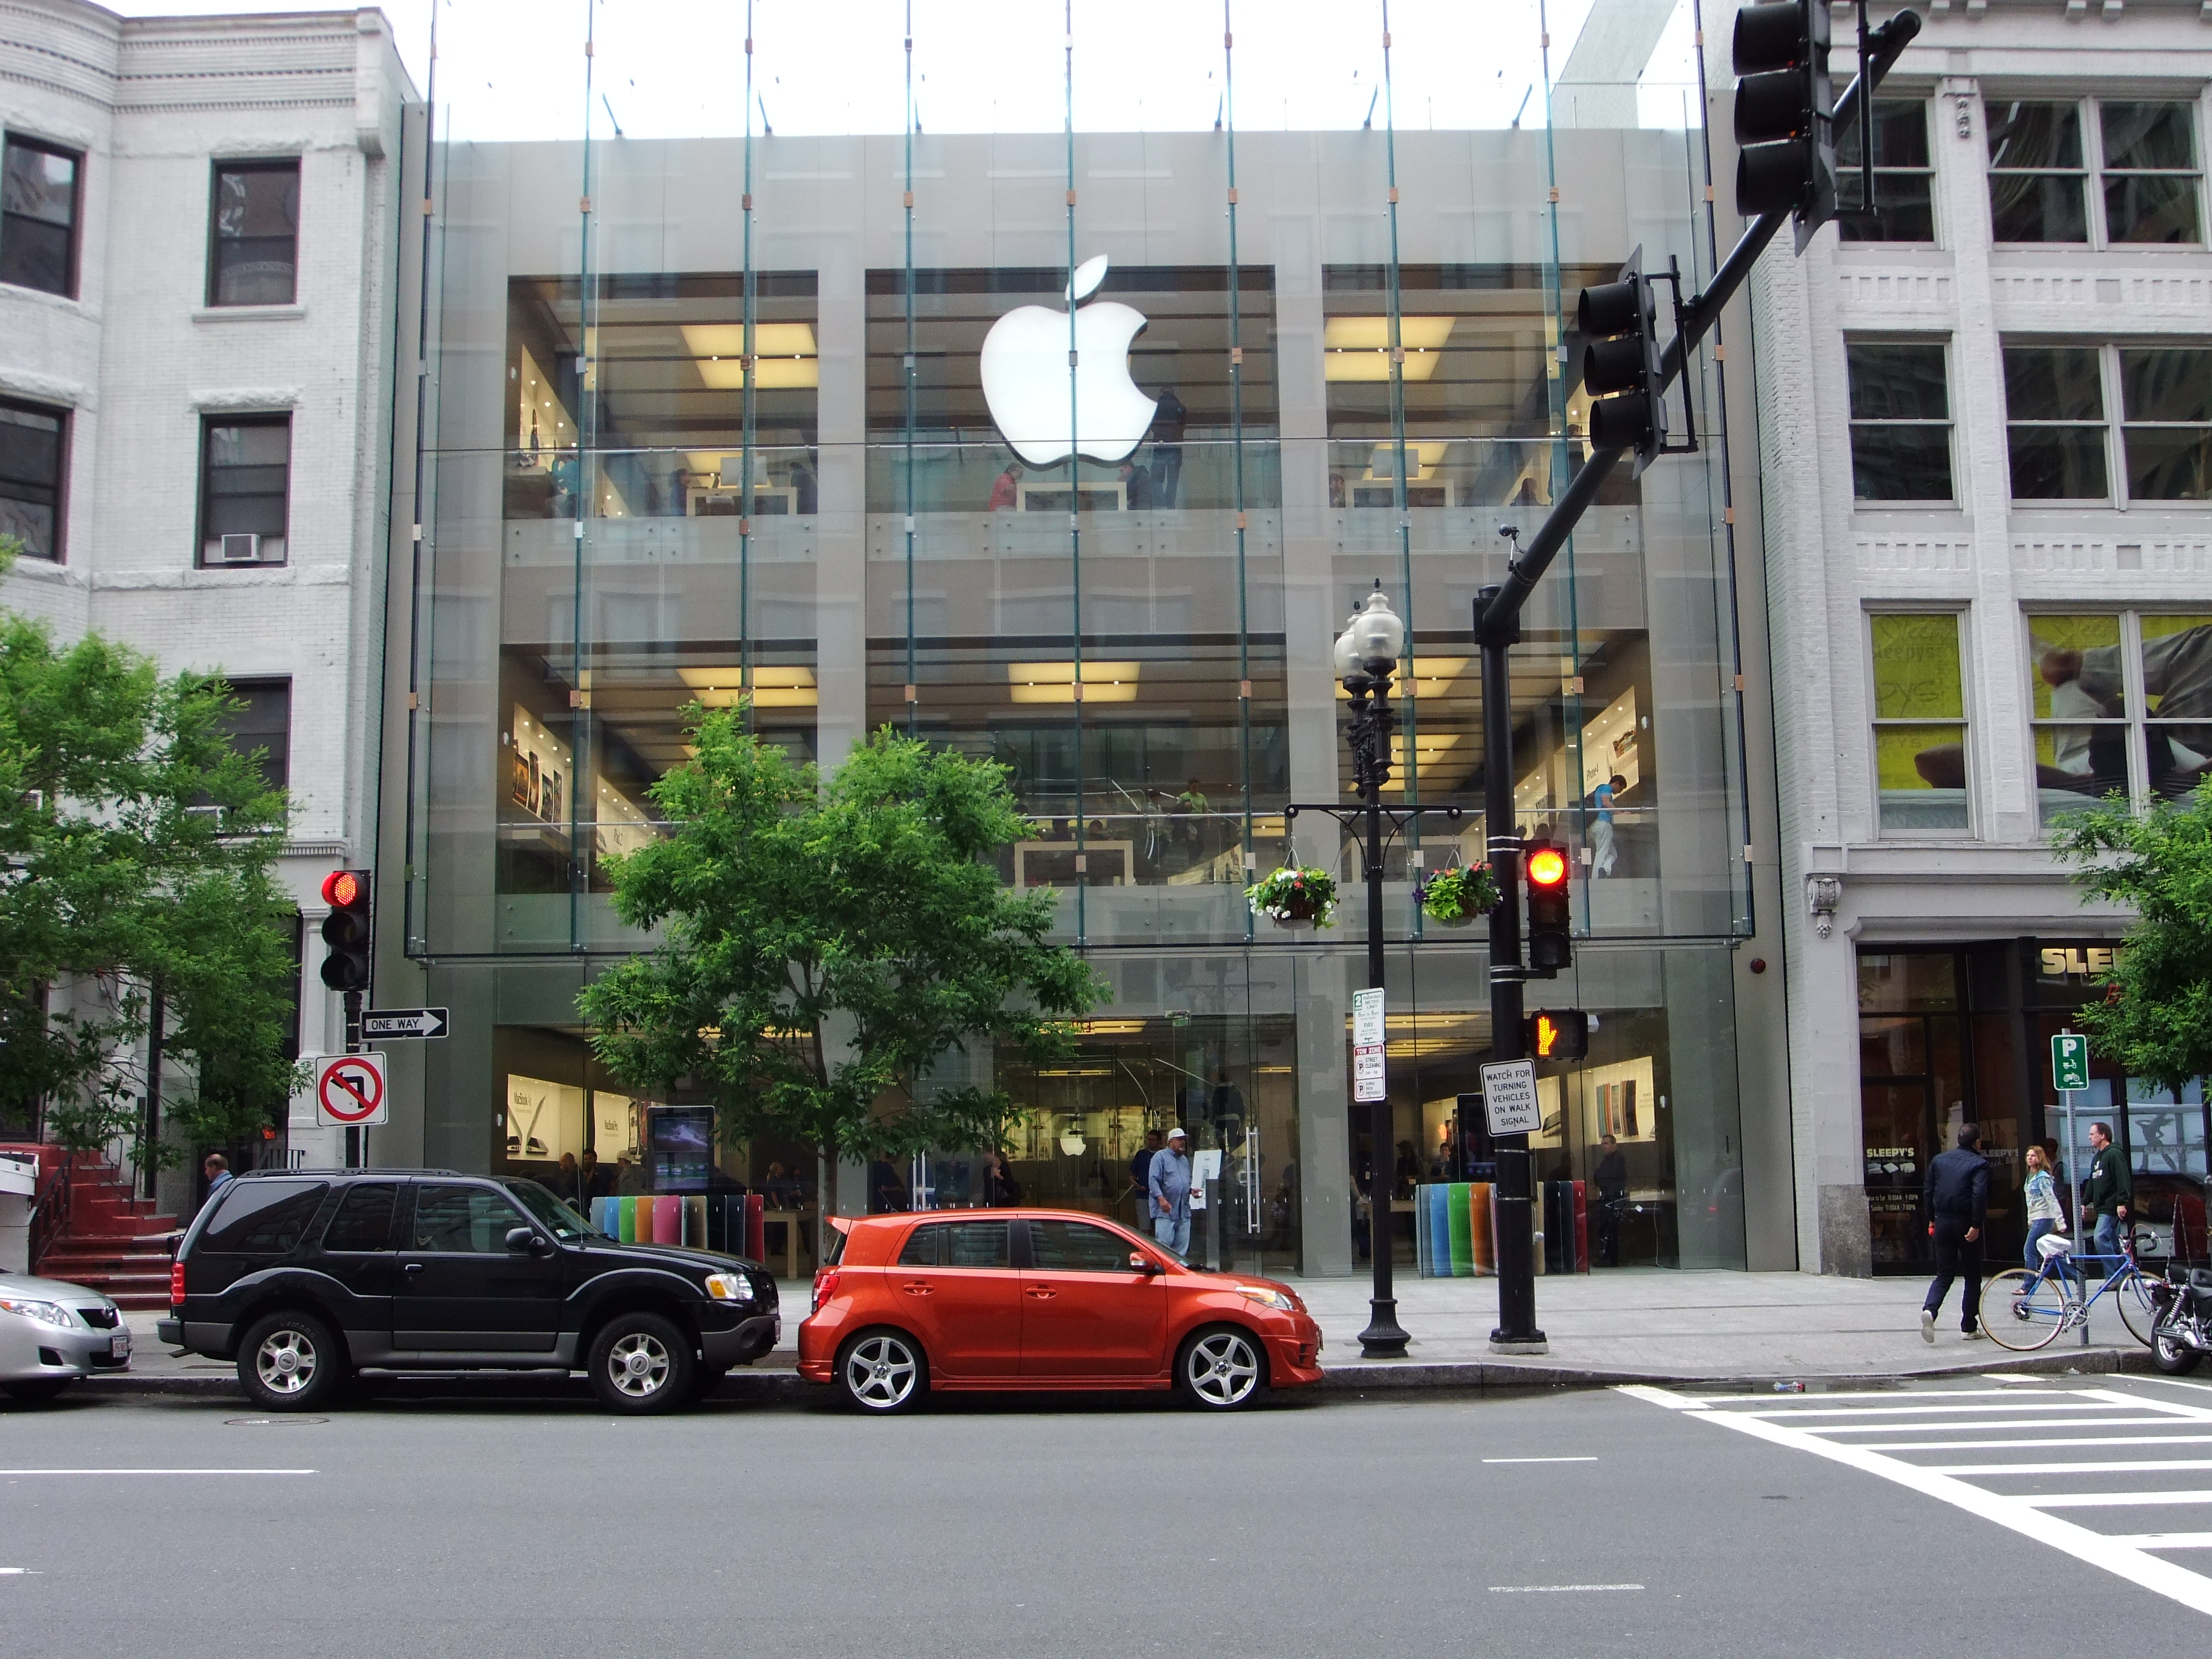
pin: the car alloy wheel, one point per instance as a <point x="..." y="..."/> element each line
<point x="286" y="1361"/>
<point x="638" y="1366"/>
<point x="1221" y="1369"/>
<point x="881" y="1372"/>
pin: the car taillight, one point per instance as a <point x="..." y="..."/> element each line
<point x="825" y="1286"/>
<point x="176" y="1283"/>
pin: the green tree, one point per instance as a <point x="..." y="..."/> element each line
<point x="2156" y="1019"/>
<point x="868" y="900"/>
<point x="136" y="857"/>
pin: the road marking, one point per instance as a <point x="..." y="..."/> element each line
<point x="1794" y="1411"/>
<point x="19" y="1573"/>
<point x="1671" y="1400"/>
<point x="2162" y="1467"/>
<point x="1555" y="1589"/>
<point x="2093" y="1440"/>
<point x="2169" y="1541"/>
<point x="1575" y="1460"/>
<point x="2123" y="1556"/>
<point x="2008" y="1422"/>
<point x="158" y="1472"/>
<point x="11" y="1473"/>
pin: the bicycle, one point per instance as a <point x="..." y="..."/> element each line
<point x="2022" y="1309"/>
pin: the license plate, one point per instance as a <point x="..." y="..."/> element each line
<point x="118" y="1346"/>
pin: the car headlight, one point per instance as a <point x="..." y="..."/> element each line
<point x="729" y="1288"/>
<point x="1268" y="1297"/>
<point x="46" y="1313"/>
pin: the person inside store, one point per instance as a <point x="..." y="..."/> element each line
<point x="887" y="1191"/>
<point x="591" y="1181"/>
<point x="1167" y="1185"/>
<point x="1006" y="489"/>
<point x="1407" y="1173"/>
<point x="1000" y="1190"/>
<point x="1136" y="487"/>
<point x="630" y="1177"/>
<point x="563" y="1178"/>
<point x="1612" y="1178"/>
<point x="2109" y="1191"/>
<point x="780" y="1189"/>
<point x="1140" y="1176"/>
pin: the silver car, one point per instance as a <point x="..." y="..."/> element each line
<point x="52" y="1333"/>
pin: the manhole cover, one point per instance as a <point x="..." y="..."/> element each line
<point x="273" y="1422"/>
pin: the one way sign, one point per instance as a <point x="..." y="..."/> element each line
<point x="405" y="1023"/>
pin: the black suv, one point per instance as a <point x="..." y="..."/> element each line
<point x="304" y="1277"/>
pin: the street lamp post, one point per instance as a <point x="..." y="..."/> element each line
<point x="1365" y="659"/>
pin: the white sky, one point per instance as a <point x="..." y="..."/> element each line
<point x="514" y="69"/>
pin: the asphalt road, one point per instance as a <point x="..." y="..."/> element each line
<point x="435" y="1524"/>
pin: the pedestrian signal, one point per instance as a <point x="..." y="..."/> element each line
<point x="1559" y="1034"/>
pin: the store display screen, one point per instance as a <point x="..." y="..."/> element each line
<point x="686" y="1130"/>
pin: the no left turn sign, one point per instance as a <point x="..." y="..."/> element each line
<point x="349" y="1092"/>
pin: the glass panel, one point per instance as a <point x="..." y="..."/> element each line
<point x="461" y="1220"/>
<point x="2053" y="383"/>
<point x="2152" y="208"/>
<point x="2032" y="201"/>
<point x="2077" y="765"/>
<point x="1901" y="462"/>
<point x="1918" y="981"/>
<point x="975" y="1244"/>
<point x="1903" y="199"/>
<point x="2034" y="136"/>
<point x="1898" y="382"/>
<point x="37" y="212"/>
<point x="2177" y="670"/>
<point x="364" y="1218"/>
<point x="2149" y="136"/>
<point x="1072" y="1247"/>
<point x="1920" y="772"/>
<point x="2075" y="667"/>
<point x="2166" y="384"/>
<point x="264" y="1214"/>
<point x="1894" y="1120"/>
<point x="2056" y="463"/>
<point x="257" y="230"/>
<point x="1916" y="666"/>
<point x="31" y="478"/>
<point x="39" y="184"/>
<point x="1893" y="1046"/>
<point x="248" y="482"/>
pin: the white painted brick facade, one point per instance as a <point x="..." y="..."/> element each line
<point x="1830" y="560"/>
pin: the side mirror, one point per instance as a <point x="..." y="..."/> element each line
<point x="521" y="1239"/>
<point x="1140" y="1262"/>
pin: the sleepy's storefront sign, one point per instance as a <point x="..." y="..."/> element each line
<point x="2078" y="964"/>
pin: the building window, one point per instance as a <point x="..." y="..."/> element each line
<point x="1919" y="722"/>
<point x="260" y="727"/>
<point x="2056" y="399"/>
<point x="2123" y="702"/>
<point x="38" y="216"/>
<point x="253" y="234"/>
<point x="1900" y="422"/>
<point x="2144" y="155"/>
<point x="245" y="489"/>
<point x="34" y="464"/>
<point x="1904" y="176"/>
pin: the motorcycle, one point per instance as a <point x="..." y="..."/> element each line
<point x="2181" y="1328"/>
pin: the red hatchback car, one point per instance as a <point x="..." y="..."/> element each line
<point x="1038" y="1299"/>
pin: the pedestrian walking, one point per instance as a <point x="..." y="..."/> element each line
<point x="2045" y="1217"/>
<point x="1167" y="1183"/>
<point x="2109" y="1191"/>
<point x="1959" y="1202"/>
<point x="217" y="1169"/>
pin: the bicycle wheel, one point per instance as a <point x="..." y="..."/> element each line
<point x="2137" y="1311"/>
<point x="2022" y="1311"/>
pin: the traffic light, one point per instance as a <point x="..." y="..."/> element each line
<point x="1784" y="113"/>
<point x="1559" y="1034"/>
<point x="346" y="930"/>
<point x="1620" y="325"/>
<point x="1549" y="947"/>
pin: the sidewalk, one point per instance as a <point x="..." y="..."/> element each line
<point x="1632" y="1325"/>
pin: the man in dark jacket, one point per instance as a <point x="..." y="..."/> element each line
<point x="2110" y="1190"/>
<point x="1958" y="1202"/>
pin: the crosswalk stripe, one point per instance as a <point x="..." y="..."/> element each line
<point x="2120" y="1466"/>
<point x="2090" y="1440"/>
<point x="2168" y="1540"/>
<point x="2028" y="1515"/>
<point x="1795" y="1413"/>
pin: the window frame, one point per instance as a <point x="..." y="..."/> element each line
<point x="2093" y="172"/>
<point x="31" y="406"/>
<point x="291" y="164"/>
<point x="1922" y="102"/>
<point x="240" y="685"/>
<point x="1877" y="723"/>
<point x="1852" y="422"/>
<point x="209" y="421"/>
<point x="2137" y="723"/>
<point x="2112" y="385"/>
<point x="11" y="139"/>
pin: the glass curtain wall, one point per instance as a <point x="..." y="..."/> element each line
<point x="1048" y="384"/>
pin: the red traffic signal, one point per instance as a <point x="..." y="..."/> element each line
<point x="344" y="889"/>
<point x="1549" y="946"/>
<point x="348" y="929"/>
<point x="1547" y="865"/>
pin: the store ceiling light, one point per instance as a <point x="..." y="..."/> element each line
<point x="773" y="688"/>
<point x="1054" y="682"/>
<point x="786" y="351"/>
<point x="1358" y="347"/>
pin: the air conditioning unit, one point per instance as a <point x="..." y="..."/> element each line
<point x="242" y="548"/>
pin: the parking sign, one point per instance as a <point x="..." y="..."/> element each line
<point x="2069" y="1062"/>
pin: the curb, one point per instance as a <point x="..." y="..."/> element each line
<point x="1388" y="1376"/>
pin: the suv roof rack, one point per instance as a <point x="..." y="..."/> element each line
<point x="247" y="1175"/>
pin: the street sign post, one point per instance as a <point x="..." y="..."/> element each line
<point x="406" y="1023"/>
<point x="351" y="1091"/>
<point x="1367" y="1038"/>
<point x="1509" y="1098"/>
<point x="2069" y="1075"/>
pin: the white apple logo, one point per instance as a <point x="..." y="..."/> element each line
<point x="1026" y="376"/>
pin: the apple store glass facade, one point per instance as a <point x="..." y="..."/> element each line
<point x="1048" y="385"/>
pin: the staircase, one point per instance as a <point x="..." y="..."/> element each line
<point x="113" y="1242"/>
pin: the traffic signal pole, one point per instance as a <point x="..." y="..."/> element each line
<point x="1497" y="629"/>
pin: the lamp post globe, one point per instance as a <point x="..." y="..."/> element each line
<point x="1344" y="655"/>
<point x="1377" y="634"/>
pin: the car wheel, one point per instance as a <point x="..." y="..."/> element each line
<point x="290" y="1362"/>
<point x="881" y="1372"/>
<point x="1221" y="1369"/>
<point x="37" y="1390"/>
<point x="640" y="1363"/>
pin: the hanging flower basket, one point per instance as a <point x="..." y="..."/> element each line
<point x="1454" y="897"/>
<point x="1291" y="897"/>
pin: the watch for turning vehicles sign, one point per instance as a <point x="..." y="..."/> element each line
<point x="349" y="1092"/>
<point x="1509" y="1098"/>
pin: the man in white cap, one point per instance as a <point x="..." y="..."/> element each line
<point x="1169" y="1183"/>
